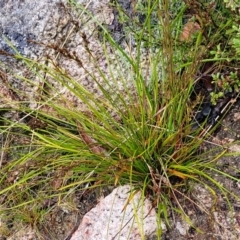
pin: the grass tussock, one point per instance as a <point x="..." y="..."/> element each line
<point x="139" y="133"/>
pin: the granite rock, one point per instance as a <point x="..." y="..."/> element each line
<point x="118" y="217"/>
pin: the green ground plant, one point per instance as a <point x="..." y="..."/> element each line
<point x="140" y="136"/>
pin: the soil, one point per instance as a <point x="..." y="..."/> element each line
<point x="223" y="220"/>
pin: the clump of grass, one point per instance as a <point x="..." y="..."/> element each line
<point x="140" y="134"/>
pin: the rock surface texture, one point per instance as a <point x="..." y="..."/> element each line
<point x="115" y="217"/>
<point x="52" y="33"/>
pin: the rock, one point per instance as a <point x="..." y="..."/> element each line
<point x="38" y="30"/>
<point x="182" y="227"/>
<point x="26" y="233"/>
<point x="23" y="21"/>
<point x="115" y="218"/>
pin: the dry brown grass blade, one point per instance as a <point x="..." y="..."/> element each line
<point x="90" y="142"/>
<point x="189" y="29"/>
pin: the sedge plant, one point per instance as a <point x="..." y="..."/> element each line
<point x="139" y="134"/>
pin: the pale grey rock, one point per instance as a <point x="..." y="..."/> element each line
<point x="38" y="29"/>
<point x="26" y="233"/>
<point x="119" y="216"/>
<point x="21" y="21"/>
<point x="25" y="25"/>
